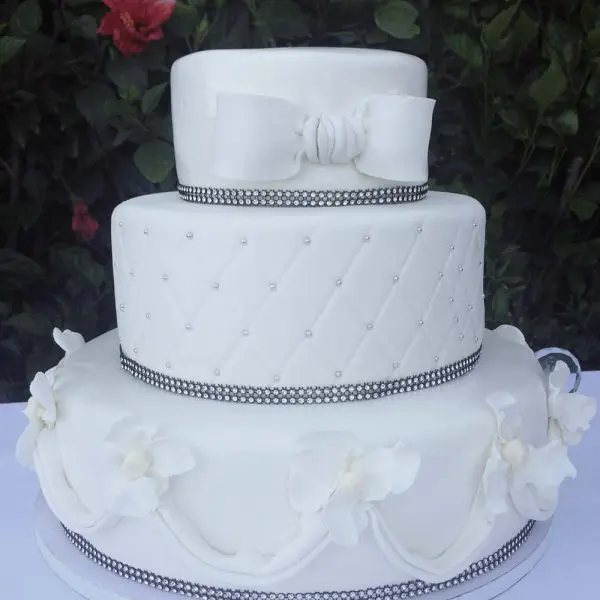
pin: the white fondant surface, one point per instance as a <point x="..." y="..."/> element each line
<point x="330" y="81"/>
<point x="95" y="583"/>
<point x="313" y="297"/>
<point x="228" y="522"/>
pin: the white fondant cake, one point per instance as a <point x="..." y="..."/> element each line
<point x="310" y="297"/>
<point x="415" y="450"/>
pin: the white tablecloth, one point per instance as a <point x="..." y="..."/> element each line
<point x="567" y="572"/>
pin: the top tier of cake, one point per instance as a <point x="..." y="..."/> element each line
<point x="275" y="118"/>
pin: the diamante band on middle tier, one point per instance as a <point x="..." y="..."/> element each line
<point x="399" y="591"/>
<point x="300" y="395"/>
<point x="302" y="198"/>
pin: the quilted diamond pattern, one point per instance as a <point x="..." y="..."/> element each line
<point x="306" y="297"/>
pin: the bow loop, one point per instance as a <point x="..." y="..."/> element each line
<point x="263" y="138"/>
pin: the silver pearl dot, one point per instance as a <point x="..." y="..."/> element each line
<point x="420" y="229"/>
<point x="168" y="365"/>
<point x="120" y="223"/>
<point x="338" y="374"/>
<point x="366" y="238"/>
<point x="436" y="358"/>
<point x="395" y="365"/>
<point x="452" y="248"/>
<point x="188" y="326"/>
<point x="122" y="307"/>
<point x="338" y="282"/>
<point x="370" y="326"/>
<point x="420" y="323"/>
<point x="276" y="378"/>
<point x="308" y="333"/>
<point x="216" y="285"/>
<point x="396" y="278"/>
<point x="147" y="315"/>
<point x="451" y="299"/>
<point x="244" y="242"/>
<point x="217" y="372"/>
<point x="461" y="269"/>
<point x="476" y="338"/>
<point x="307" y="241"/>
<point x="165" y="277"/>
<point x="483" y="296"/>
<point x="189" y="235"/>
<point x="470" y="306"/>
<point x="440" y="274"/>
<point x="461" y="336"/>
<point x="135" y="350"/>
<point x="245" y="333"/>
<point x="273" y="287"/>
<point x="146" y="231"/>
<point x="456" y="319"/>
<point x="474" y="224"/>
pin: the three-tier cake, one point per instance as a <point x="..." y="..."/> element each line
<point x="301" y="397"/>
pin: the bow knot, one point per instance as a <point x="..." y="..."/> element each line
<point x="333" y="139"/>
<point x="264" y="138"/>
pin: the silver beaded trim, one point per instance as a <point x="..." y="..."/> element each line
<point x="300" y="395"/>
<point x="302" y="198"/>
<point x="409" y="589"/>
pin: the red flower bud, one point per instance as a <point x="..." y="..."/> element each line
<point x="82" y="223"/>
<point x="134" y="23"/>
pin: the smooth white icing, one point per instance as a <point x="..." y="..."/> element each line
<point x="310" y="297"/>
<point x="332" y="82"/>
<point x="230" y="520"/>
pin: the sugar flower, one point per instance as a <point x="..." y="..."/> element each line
<point x="333" y="476"/>
<point x="141" y="465"/>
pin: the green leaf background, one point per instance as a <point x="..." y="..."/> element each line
<point x="516" y="125"/>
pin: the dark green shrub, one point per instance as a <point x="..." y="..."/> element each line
<point x="517" y="126"/>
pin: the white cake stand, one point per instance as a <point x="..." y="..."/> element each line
<point x="95" y="583"/>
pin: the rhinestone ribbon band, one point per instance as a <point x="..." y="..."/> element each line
<point x="302" y="198"/>
<point x="300" y="395"/>
<point x="409" y="589"/>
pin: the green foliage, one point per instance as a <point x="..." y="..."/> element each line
<point x="516" y="126"/>
<point x="398" y="18"/>
<point x="518" y="129"/>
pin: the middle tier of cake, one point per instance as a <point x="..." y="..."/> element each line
<point x="312" y="297"/>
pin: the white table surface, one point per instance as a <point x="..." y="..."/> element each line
<point x="567" y="572"/>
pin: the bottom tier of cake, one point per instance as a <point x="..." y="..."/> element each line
<point x="418" y="486"/>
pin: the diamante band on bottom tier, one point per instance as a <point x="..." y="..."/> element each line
<point x="300" y="395"/>
<point x="302" y="198"/>
<point x="409" y="589"/>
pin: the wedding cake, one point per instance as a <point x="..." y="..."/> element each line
<point x="301" y="399"/>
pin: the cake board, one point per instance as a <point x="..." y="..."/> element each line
<point x="93" y="582"/>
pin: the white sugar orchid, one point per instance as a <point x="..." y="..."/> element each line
<point x="333" y="476"/>
<point x="42" y="405"/>
<point x="41" y="412"/>
<point x="508" y="332"/>
<point x="570" y="413"/>
<point x="141" y="466"/>
<point x="526" y="475"/>
<point x="68" y="340"/>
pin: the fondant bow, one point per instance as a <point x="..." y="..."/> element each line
<point x="263" y="138"/>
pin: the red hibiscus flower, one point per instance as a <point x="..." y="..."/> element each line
<point x="134" y="23"/>
<point x="83" y="223"/>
